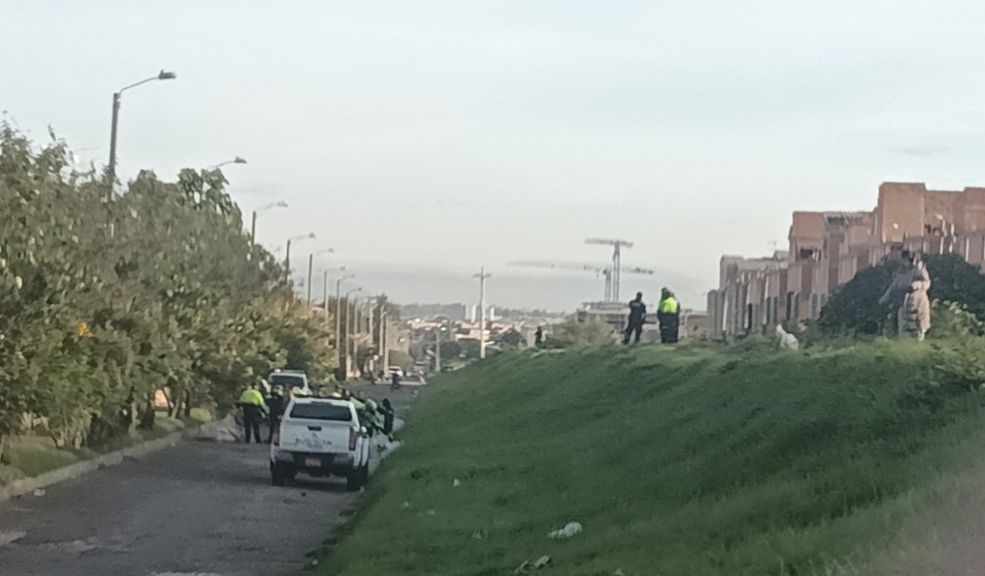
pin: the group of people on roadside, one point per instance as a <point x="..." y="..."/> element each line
<point x="256" y="408"/>
<point x="668" y="318"/>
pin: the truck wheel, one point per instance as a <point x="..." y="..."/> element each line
<point x="277" y="477"/>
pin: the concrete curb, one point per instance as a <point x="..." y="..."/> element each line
<point x="72" y="471"/>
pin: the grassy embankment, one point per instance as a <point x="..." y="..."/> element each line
<point x="688" y="462"/>
<point x="32" y="455"/>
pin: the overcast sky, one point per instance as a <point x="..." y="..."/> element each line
<point x="452" y="134"/>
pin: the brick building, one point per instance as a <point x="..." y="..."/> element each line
<point x="827" y="249"/>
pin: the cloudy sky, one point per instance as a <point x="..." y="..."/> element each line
<point x="432" y="137"/>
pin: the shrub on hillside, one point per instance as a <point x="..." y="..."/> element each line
<point x="855" y="309"/>
<point x="573" y="333"/>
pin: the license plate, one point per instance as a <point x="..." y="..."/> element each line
<point x="312" y="462"/>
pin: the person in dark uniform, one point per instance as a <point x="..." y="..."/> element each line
<point x="539" y="336"/>
<point x="637" y="315"/>
<point x="275" y="405"/>
<point x="387" y="416"/>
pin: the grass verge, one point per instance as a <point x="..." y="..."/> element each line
<point x="687" y="462"/>
<point x="32" y="455"/>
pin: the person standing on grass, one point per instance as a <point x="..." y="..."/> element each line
<point x="253" y="406"/>
<point x="637" y="316"/>
<point x="908" y="296"/>
<point x="669" y="316"/>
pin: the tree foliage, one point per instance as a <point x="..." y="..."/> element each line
<point x="104" y="304"/>
<point x="855" y="308"/>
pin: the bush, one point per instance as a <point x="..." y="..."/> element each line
<point x="855" y="309"/>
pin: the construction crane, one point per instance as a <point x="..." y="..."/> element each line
<point x="600" y="270"/>
<point x="616" y="261"/>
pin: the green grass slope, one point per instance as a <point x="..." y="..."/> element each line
<point x="687" y="462"/>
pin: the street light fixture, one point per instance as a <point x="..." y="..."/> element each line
<point x="348" y="330"/>
<point x="236" y="160"/>
<point x="287" y="259"/>
<point x="253" y="224"/>
<point x="311" y="263"/>
<point x="111" y="171"/>
<point x="338" y="308"/>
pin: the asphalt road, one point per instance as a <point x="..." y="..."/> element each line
<point x="199" y="508"/>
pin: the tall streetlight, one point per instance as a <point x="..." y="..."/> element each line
<point x="482" y="310"/>
<point x="338" y="310"/>
<point x="311" y="263"/>
<point x="162" y="75"/>
<point x="236" y="160"/>
<point x="287" y="257"/>
<point x="253" y="224"/>
<point x="348" y="330"/>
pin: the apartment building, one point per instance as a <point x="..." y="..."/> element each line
<point x="827" y="249"/>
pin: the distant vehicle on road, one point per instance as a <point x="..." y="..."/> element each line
<point x="320" y="437"/>
<point x="293" y="381"/>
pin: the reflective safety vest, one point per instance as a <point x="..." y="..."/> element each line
<point x="251" y="396"/>
<point x="669" y="305"/>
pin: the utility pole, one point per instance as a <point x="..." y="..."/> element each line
<point x="437" y="350"/>
<point x="311" y="263"/>
<point x="287" y="264"/>
<point x="382" y="348"/>
<point x="386" y="346"/>
<point x="253" y="230"/>
<point x="324" y="286"/>
<point x="482" y="310"/>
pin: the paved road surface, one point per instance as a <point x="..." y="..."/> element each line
<point x="198" y="508"/>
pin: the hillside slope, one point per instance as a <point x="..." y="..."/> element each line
<point x="687" y="462"/>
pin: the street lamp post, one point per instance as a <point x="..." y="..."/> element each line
<point x="111" y="170"/>
<point x="348" y="330"/>
<point x="253" y="224"/>
<point x="324" y="286"/>
<point x="311" y="263"/>
<point x="287" y="257"/>
<point x="338" y="310"/>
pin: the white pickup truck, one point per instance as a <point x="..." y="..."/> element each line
<point x="321" y="437"/>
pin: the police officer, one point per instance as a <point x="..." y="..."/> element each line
<point x="276" y="406"/>
<point x="669" y="316"/>
<point x="253" y="406"/>
<point x="637" y="315"/>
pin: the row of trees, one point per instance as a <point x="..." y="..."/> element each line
<point x="103" y="304"/>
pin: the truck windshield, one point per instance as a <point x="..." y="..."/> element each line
<point x="321" y="411"/>
<point x="286" y="380"/>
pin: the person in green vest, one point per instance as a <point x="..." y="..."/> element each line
<point x="669" y="317"/>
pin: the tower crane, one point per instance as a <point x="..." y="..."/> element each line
<point x="600" y="270"/>
<point x="616" y="268"/>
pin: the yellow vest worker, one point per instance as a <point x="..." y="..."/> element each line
<point x="253" y="405"/>
<point x="253" y="397"/>
<point x="669" y="316"/>
<point x="669" y="305"/>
